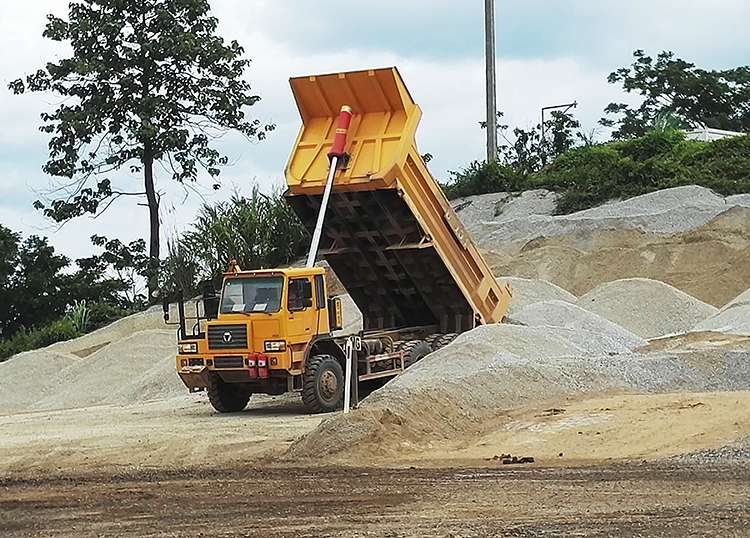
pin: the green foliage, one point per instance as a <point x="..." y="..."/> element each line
<point x="589" y="176"/>
<point x="483" y="178"/>
<point x="257" y="231"/>
<point x="691" y="97"/>
<point x="38" y="287"/>
<point x="43" y="336"/>
<point x="147" y="81"/>
<point x="80" y="316"/>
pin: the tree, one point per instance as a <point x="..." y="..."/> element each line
<point x="257" y="231"/>
<point x="527" y="151"/>
<point x="148" y="81"/>
<point x="673" y="88"/>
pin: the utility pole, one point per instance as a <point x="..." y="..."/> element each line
<point x="489" y="56"/>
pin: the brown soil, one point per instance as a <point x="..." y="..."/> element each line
<point x="711" y="262"/>
<point x="624" y="501"/>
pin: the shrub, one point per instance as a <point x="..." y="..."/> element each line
<point x="25" y="340"/>
<point x="483" y="178"/>
<point x="588" y="176"/>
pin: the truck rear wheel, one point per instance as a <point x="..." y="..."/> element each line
<point x="227" y="397"/>
<point x="414" y="351"/>
<point x="323" y="384"/>
<point x="443" y="341"/>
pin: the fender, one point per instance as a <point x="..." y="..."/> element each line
<point x="325" y="344"/>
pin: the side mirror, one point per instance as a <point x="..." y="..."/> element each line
<point x="165" y="307"/>
<point x="210" y="301"/>
<point x="211" y="307"/>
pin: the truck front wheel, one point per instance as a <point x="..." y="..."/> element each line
<point x="227" y="397"/>
<point x="323" y="384"/>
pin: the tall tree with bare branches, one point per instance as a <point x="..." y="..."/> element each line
<point x="148" y="81"/>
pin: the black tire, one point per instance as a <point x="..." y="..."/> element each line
<point x="323" y="384"/>
<point x="443" y="341"/>
<point x="227" y="397"/>
<point x="414" y="350"/>
<point x="431" y="339"/>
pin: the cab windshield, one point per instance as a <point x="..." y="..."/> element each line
<point x="248" y="295"/>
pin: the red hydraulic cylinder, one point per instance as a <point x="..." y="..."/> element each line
<point x="342" y="128"/>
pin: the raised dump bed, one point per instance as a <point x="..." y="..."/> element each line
<point x="390" y="234"/>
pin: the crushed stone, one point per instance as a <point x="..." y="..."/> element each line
<point x="455" y="390"/>
<point x="135" y="368"/>
<point x="648" y="308"/>
<point x="564" y="314"/>
<point x="733" y="318"/>
<point x="667" y="211"/>
<point x="527" y="291"/>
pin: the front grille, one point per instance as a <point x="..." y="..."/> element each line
<point x="227" y="337"/>
<point x="229" y="362"/>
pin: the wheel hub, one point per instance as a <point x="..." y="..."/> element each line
<point x="328" y="385"/>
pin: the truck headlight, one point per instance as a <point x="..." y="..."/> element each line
<point x="188" y="348"/>
<point x="271" y="346"/>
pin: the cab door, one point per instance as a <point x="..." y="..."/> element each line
<point x="301" y="319"/>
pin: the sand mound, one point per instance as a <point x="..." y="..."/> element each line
<point x="28" y="376"/>
<point x="668" y="211"/>
<point x="528" y="291"/>
<point x="136" y="368"/>
<point x="646" y="307"/>
<point x="711" y="262"/>
<point x="570" y="316"/>
<point x="734" y="318"/>
<point x="454" y="391"/>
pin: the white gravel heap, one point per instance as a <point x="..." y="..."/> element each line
<point x="668" y="211"/>
<point x="29" y="376"/>
<point x="646" y="307"/>
<point x="734" y="318"/>
<point x="569" y="316"/>
<point x="454" y="391"/>
<point x="528" y="291"/>
<point x="137" y="368"/>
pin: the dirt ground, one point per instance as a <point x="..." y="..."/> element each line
<point x="176" y="468"/>
<point x="625" y="501"/>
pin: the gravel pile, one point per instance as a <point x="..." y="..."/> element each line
<point x="527" y="291"/>
<point x="734" y="318"/>
<point x="668" y="211"/>
<point x="569" y="316"/>
<point x="734" y="453"/>
<point x="648" y="308"/>
<point x="454" y="391"/>
<point x="136" y="368"/>
<point x="32" y="375"/>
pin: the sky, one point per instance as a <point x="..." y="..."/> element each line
<point x="549" y="52"/>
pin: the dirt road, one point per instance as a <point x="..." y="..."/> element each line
<point x="623" y="501"/>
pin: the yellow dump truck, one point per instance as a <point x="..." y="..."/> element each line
<point x="388" y="233"/>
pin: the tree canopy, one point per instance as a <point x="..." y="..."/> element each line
<point x="148" y="81"/>
<point x="677" y="93"/>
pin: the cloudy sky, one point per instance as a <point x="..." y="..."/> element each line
<point x="549" y="52"/>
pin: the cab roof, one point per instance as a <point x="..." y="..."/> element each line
<point x="290" y="272"/>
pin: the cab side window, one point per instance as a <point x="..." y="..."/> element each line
<point x="296" y="297"/>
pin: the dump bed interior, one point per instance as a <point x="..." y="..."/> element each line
<point x="390" y="235"/>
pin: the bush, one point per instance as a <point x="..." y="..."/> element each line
<point x="588" y="176"/>
<point x="483" y="178"/>
<point x="25" y="340"/>
<point x="71" y="326"/>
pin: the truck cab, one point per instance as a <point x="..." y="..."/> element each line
<point x="257" y="335"/>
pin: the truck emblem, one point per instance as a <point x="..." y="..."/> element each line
<point x="227" y="337"/>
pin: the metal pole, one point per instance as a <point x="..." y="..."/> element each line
<point x="489" y="55"/>
<point x="322" y="214"/>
